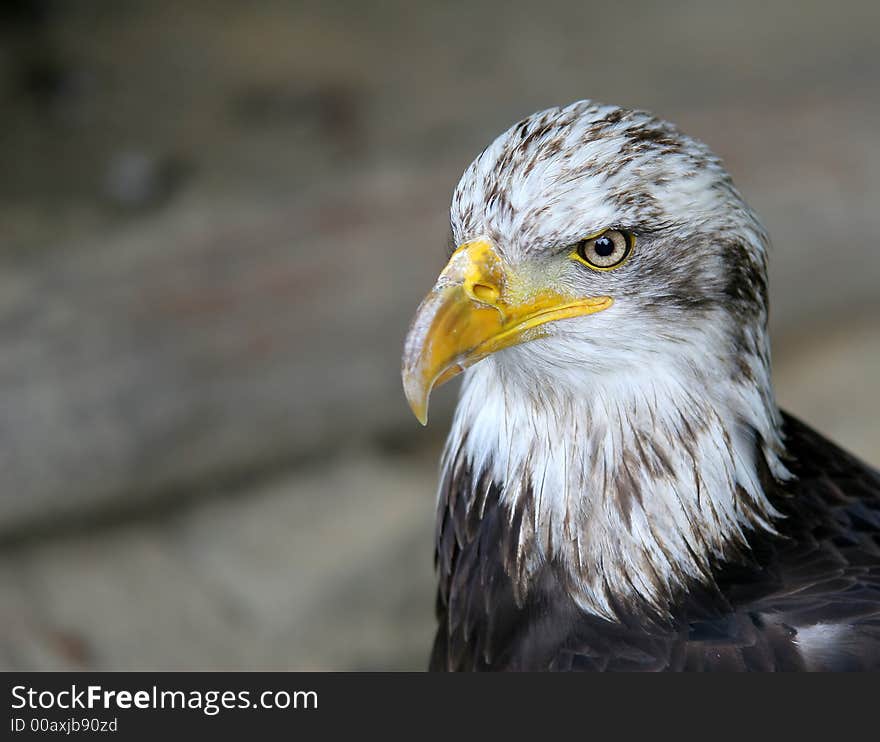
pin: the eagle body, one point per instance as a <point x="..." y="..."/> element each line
<point x="619" y="490"/>
<point x="805" y="598"/>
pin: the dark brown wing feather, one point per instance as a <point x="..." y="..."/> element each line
<point x="808" y="599"/>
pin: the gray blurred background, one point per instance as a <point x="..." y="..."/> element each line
<point x="216" y="219"/>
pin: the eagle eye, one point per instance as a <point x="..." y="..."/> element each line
<point x="606" y="250"/>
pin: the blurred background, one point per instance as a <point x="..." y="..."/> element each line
<point x="216" y="220"/>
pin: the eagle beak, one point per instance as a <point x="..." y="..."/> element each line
<point x="477" y="307"/>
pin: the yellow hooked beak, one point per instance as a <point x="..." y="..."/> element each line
<point x="477" y="307"/>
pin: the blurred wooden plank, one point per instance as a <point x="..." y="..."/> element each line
<point x="321" y="570"/>
<point x="214" y="340"/>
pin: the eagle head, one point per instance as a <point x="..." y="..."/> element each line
<point x="595" y="244"/>
<point x="606" y="300"/>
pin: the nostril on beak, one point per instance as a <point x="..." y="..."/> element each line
<point x="484" y="293"/>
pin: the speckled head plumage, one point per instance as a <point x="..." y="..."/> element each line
<point x="633" y="432"/>
<point x="564" y="173"/>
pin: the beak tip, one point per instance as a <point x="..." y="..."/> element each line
<point x="420" y="410"/>
<point x="416" y="396"/>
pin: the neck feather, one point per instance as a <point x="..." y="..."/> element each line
<point x="634" y="488"/>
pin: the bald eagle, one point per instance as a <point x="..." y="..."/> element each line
<point x="619" y="489"/>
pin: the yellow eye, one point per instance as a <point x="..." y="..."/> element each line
<point x="607" y="250"/>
